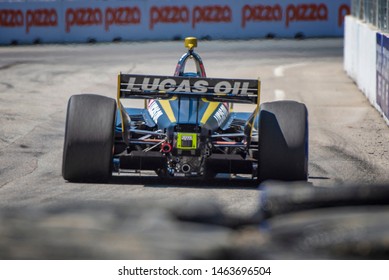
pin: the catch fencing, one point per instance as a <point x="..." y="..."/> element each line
<point x="374" y="12"/>
<point x="366" y="50"/>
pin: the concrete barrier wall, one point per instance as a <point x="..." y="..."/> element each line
<point x="366" y="60"/>
<point x="109" y="20"/>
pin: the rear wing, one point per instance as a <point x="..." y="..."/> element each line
<point x="166" y="87"/>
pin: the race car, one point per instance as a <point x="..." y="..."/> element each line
<point x="187" y="128"/>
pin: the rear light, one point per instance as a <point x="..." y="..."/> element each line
<point x="187" y="141"/>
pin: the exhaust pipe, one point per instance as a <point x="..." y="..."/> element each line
<point x="186" y="168"/>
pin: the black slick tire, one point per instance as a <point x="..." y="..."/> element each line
<point x="89" y="138"/>
<point x="283" y="141"/>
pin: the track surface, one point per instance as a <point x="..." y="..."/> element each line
<point x="348" y="139"/>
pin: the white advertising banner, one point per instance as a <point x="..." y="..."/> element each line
<point x="110" y="20"/>
<point x="194" y="269"/>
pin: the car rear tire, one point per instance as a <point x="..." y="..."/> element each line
<point x="283" y="141"/>
<point x="89" y="138"/>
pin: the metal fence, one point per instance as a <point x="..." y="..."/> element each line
<point x="375" y="12"/>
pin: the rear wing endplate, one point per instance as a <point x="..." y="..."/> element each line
<point x="166" y="87"/>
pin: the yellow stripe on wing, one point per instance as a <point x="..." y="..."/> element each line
<point x="256" y="111"/>
<point x="168" y="110"/>
<point x="212" y="106"/>
<point x="119" y="104"/>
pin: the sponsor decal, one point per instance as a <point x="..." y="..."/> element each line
<point x="221" y="114"/>
<point x="260" y="13"/>
<point x="168" y="14"/>
<point x="154" y="110"/>
<point x="41" y="18"/>
<point x="304" y="12"/>
<point x="249" y="13"/>
<point x="194" y="85"/>
<point x="32" y="18"/>
<point x="211" y="14"/>
<point x="82" y="17"/>
<point x="11" y="18"/>
<point x="122" y="16"/>
<point x="183" y="14"/>
<point x="342" y="12"/>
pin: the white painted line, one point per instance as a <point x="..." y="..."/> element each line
<point x="279" y="70"/>
<point x="279" y="94"/>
